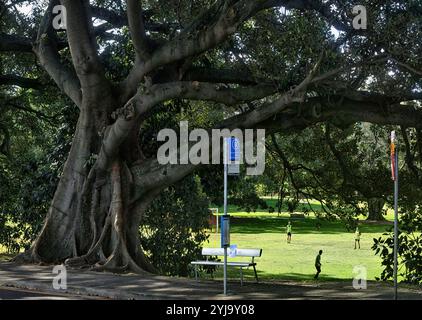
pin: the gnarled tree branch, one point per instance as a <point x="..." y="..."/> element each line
<point x="82" y="44"/>
<point x="15" y="43"/>
<point x="13" y="80"/>
<point x="182" y="48"/>
<point x="137" y="30"/>
<point x="46" y="50"/>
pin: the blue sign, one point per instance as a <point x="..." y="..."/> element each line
<point x="234" y="149"/>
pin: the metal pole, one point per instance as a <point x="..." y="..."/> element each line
<point x="225" y="213"/>
<point x="396" y="196"/>
<point x="217" y="217"/>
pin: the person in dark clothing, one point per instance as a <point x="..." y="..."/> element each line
<point x="318" y="264"/>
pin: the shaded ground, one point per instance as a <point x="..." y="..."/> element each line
<point x="156" y="287"/>
<point x="20" y="294"/>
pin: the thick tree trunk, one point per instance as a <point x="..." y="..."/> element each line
<point x="375" y="209"/>
<point x="280" y="197"/>
<point x="91" y="221"/>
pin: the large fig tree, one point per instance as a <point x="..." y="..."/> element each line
<point x="272" y="64"/>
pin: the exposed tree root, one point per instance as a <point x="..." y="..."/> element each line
<point x="119" y="260"/>
<point x="99" y="240"/>
<point x="27" y="257"/>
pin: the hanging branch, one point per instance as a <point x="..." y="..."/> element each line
<point x="409" y="157"/>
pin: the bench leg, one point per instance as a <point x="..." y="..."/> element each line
<point x="256" y="275"/>
<point x="196" y="272"/>
<point x="241" y="276"/>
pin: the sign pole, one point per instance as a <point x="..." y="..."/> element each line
<point x="217" y="218"/>
<point x="226" y="156"/>
<point x="395" y="177"/>
<point x="231" y="167"/>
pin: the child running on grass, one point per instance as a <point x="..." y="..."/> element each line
<point x="357" y="237"/>
<point x="289" y="232"/>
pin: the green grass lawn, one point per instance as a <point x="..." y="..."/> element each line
<point x="295" y="261"/>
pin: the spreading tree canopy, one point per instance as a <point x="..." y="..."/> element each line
<point x="280" y="65"/>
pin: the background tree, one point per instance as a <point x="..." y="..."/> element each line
<point x="338" y="167"/>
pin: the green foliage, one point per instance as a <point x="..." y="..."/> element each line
<point x="340" y="167"/>
<point x="31" y="177"/>
<point x="292" y="204"/>
<point x="173" y="229"/>
<point x="409" y="249"/>
<point x="244" y="194"/>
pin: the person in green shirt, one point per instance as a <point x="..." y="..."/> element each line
<point x="289" y="232"/>
<point x="357" y="237"/>
<point x="318" y="264"/>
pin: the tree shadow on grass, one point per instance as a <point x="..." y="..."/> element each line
<point x="303" y="206"/>
<point x="257" y="225"/>
<point x="249" y="276"/>
<point x="306" y="277"/>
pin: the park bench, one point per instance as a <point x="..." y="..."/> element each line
<point x="250" y="253"/>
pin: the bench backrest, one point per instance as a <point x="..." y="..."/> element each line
<point x="239" y="252"/>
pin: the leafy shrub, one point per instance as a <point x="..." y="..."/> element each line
<point x="409" y="250"/>
<point x="173" y="229"/>
<point x="292" y="205"/>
